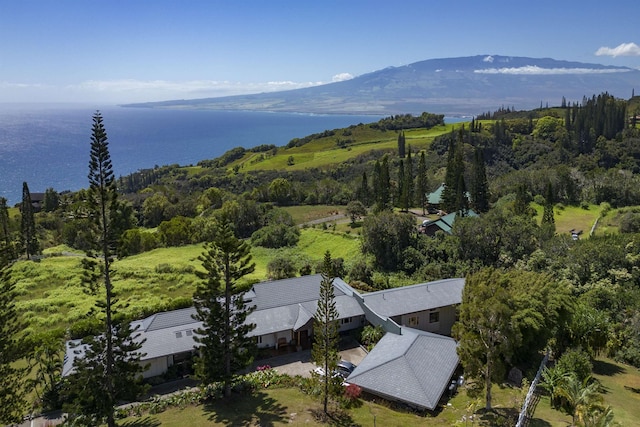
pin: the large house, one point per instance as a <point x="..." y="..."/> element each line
<point x="417" y="319"/>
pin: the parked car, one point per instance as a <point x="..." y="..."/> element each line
<point x="345" y="368"/>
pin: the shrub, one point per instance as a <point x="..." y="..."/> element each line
<point x="281" y="268"/>
<point x="352" y="392"/>
<point x="575" y="361"/>
<point x="276" y="236"/>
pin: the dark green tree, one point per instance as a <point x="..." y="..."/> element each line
<point x="46" y="363"/>
<point x="51" y="200"/>
<point x="325" y="335"/>
<point x="111" y="367"/>
<point x="30" y="243"/>
<point x="400" y="196"/>
<point x="89" y="404"/>
<point x="401" y="145"/>
<point x="381" y="185"/>
<point x="454" y="195"/>
<point x="281" y="267"/>
<point x="480" y="185"/>
<point x="406" y="184"/>
<point x="280" y="231"/>
<point x="12" y="393"/>
<point x="521" y="204"/>
<point x="280" y="191"/>
<point x="386" y="236"/>
<point x="506" y="316"/>
<point x="6" y="242"/>
<point x="178" y="231"/>
<point x="547" y="215"/>
<point x="225" y="346"/>
<point x="422" y="183"/>
<point x="354" y="210"/>
<point x="363" y="194"/>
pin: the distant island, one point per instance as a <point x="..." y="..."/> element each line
<point x="452" y="86"/>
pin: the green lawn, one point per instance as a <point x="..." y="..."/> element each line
<point x="621" y="385"/>
<point x="569" y="218"/>
<point x="289" y="406"/>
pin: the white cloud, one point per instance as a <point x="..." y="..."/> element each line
<point x="134" y="90"/>
<point x="10" y="85"/>
<point x="488" y="58"/>
<point x="535" y="70"/>
<point x="624" y="49"/>
<point x="342" y="77"/>
<point x="225" y="87"/>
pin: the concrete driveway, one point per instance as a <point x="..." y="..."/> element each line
<point x="299" y="362"/>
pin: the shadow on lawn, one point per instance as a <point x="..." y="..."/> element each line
<point x="601" y="367"/>
<point x="499" y="416"/>
<point x="145" y="422"/>
<point x="335" y="418"/>
<point x="246" y="409"/>
<point x="537" y="422"/>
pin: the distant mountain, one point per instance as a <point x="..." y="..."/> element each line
<point x="451" y="86"/>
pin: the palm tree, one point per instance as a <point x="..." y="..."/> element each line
<point x="552" y="381"/>
<point x="582" y="397"/>
<point x="599" y="418"/>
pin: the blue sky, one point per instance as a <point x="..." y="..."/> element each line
<point x="128" y="51"/>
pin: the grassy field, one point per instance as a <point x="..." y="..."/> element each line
<point x="51" y="293"/>
<point x="289" y="406"/>
<point x="569" y="218"/>
<point x="323" y="152"/>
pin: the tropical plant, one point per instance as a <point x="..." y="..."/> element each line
<point x="581" y="397"/>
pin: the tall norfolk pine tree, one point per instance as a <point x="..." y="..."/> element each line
<point x="225" y="344"/>
<point x="325" y="334"/>
<point x="12" y="401"/>
<point x="110" y="370"/>
<point x="28" y="224"/>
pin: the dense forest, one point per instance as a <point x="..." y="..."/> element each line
<point x="499" y="165"/>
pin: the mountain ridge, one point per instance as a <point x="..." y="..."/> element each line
<point x="453" y="86"/>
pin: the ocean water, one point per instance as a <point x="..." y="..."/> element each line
<point x="48" y="145"/>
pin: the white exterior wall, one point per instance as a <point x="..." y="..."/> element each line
<point x="447" y="317"/>
<point x="157" y="366"/>
<point x="350" y="323"/>
<point x="270" y="340"/>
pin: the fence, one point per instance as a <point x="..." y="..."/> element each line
<point x="530" y="402"/>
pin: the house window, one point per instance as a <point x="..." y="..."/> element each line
<point x="259" y="339"/>
<point x="434" y="317"/>
<point x="346" y="321"/>
<point x="413" y="321"/>
<point x="189" y="333"/>
<point x="178" y="334"/>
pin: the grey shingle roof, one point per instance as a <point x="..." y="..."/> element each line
<point x="414" y="367"/>
<point x="290" y="303"/>
<point x="167" y="341"/>
<point x="415" y="298"/>
<point x="296" y="290"/>
<point x="168" y="319"/>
